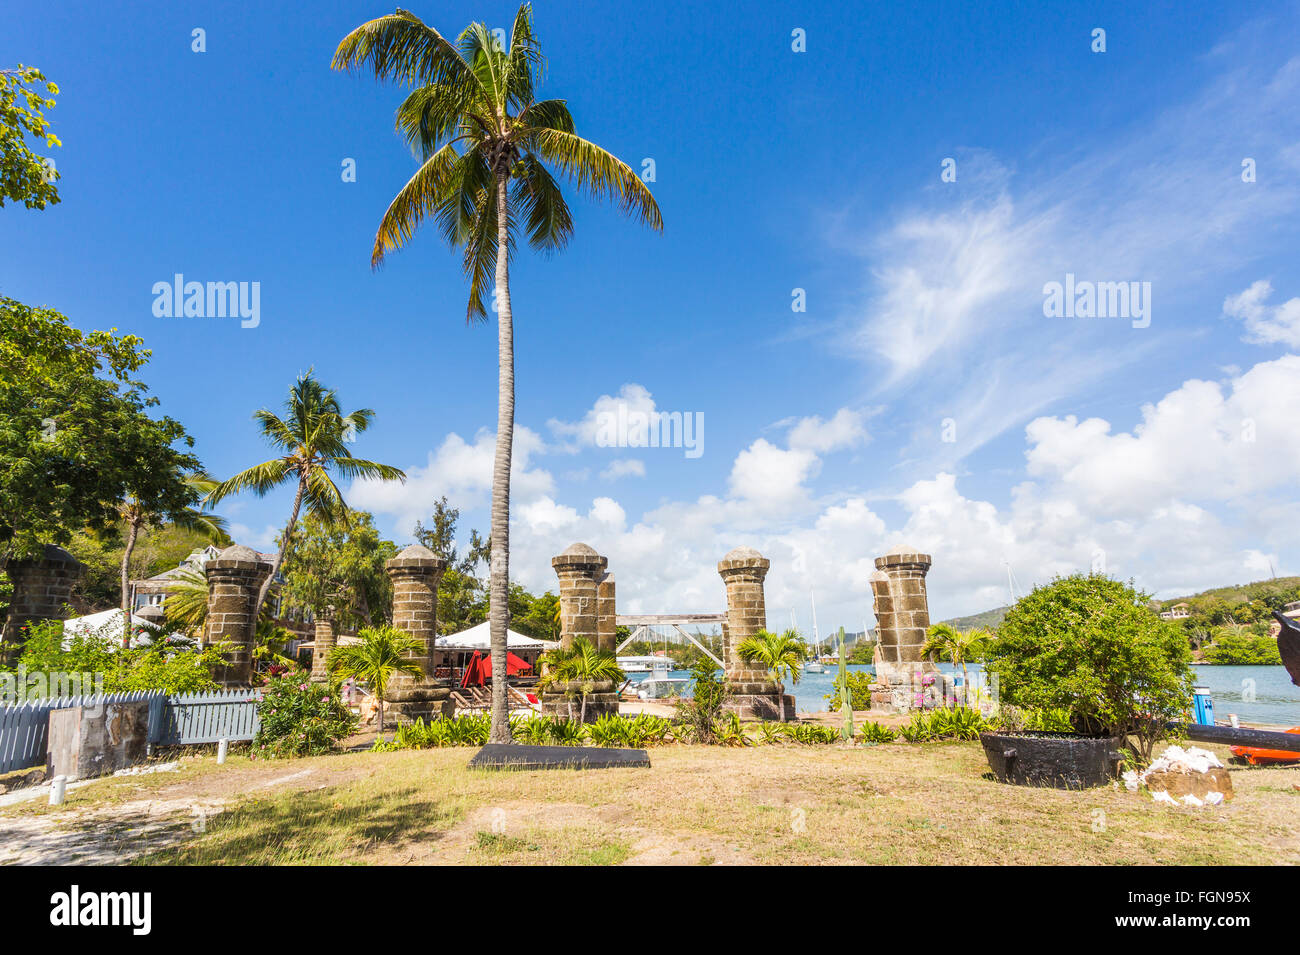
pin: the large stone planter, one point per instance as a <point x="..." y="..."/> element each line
<point x="1058" y="760"/>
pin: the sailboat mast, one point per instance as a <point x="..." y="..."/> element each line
<point x="817" y="641"/>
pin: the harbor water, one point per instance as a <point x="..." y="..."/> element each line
<point x="1256" y="694"/>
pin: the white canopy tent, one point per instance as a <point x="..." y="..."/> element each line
<point x="480" y="638"/>
<point x="106" y="623"/>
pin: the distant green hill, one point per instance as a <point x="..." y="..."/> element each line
<point x="1240" y="593"/>
<point x="989" y="619"/>
<point x="1263" y="592"/>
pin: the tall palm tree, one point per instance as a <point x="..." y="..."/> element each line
<point x="382" y="653"/>
<point x="946" y="642"/>
<point x="484" y="141"/>
<point x="313" y="434"/>
<point x="137" y="517"/>
<point x="781" y="653"/>
<point x="583" y="664"/>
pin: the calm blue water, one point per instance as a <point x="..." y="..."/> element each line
<point x="1256" y="694"/>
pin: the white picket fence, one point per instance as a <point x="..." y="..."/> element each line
<point x="181" y="720"/>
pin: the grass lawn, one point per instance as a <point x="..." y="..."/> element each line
<point x="898" y="803"/>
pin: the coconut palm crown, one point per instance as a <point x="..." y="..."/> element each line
<point x="314" y="434"/>
<point x="489" y="153"/>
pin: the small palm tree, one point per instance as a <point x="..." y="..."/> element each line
<point x="314" y="434"/>
<point x="381" y="654"/>
<point x="944" y="642"/>
<point x="781" y="653"/>
<point x="583" y="664"/>
<point x="136" y="517"/>
<point x="484" y="142"/>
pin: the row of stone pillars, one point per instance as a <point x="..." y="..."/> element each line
<point x="236" y="574"/>
<point x="588" y="611"/>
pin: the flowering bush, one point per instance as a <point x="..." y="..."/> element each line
<point x="301" y="719"/>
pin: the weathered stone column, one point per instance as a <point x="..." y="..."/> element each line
<point x="234" y="577"/>
<point x="416" y="573"/>
<point x="583" y="601"/>
<point x="579" y="569"/>
<point x="326" y="637"/>
<point x="754" y="695"/>
<point x="606" y="615"/>
<point x="902" y="622"/>
<point x="42" y="588"/>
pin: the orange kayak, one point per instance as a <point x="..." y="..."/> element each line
<point x="1254" y="755"/>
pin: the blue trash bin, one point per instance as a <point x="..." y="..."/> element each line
<point x="1202" y="705"/>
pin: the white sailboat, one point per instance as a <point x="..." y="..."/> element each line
<point x="815" y="665"/>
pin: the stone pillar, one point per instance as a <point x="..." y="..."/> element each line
<point x="586" y="611"/>
<point x="323" y="644"/>
<point x="42" y="587"/>
<point x="902" y="622"/>
<point x="416" y="573"/>
<point x="606" y="615"/>
<point x="234" y="578"/>
<point x="579" y="569"/>
<point x="754" y="695"/>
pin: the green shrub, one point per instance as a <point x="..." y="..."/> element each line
<point x="859" y="684"/>
<point x="1242" y="649"/>
<point x="872" y="732"/>
<point x="1091" y="645"/>
<point x="701" y="713"/>
<point x="533" y="730"/>
<point x="300" y="719"/>
<point x="956" y="723"/>
<point x="171" y="663"/>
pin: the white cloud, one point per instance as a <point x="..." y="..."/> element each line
<point x="770" y="476"/>
<point x="460" y="470"/>
<point x="845" y="429"/>
<point x="623" y="467"/>
<point x="1265" y="324"/>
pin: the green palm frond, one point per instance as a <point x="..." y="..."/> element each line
<point x="401" y="47"/>
<point x="781" y="653"/>
<point x="261" y="479"/>
<point x="597" y="172"/>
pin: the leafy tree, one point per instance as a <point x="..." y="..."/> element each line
<point x="25" y="176"/>
<point x="462" y="599"/>
<point x="1237" y="648"/>
<point x="485" y="140"/>
<point x="382" y="653"/>
<point x="75" y="436"/>
<point x="534" y="616"/>
<point x="157" y="497"/>
<point x="313" y="435"/>
<point x="332" y="566"/>
<point x="1091" y="645"/>
<point x="579" y="668"/>
<point x="782" y="654"/>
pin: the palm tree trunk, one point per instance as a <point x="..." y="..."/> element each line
<point x="284" y="548"/>
<point x="499" y="576"/>
<point x="133" y="532"/>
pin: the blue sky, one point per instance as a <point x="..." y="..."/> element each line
<point x="1168" y="453"/>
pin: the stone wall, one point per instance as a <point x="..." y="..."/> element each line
<point x="41" y="589"/>
<point x="324" y="642"/>
<point x="606" y="615"/>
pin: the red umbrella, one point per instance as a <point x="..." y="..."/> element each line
<point x="472" y="674"/>
<point x="515" y="664"/>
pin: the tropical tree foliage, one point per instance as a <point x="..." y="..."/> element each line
<point x="335" y="569"/>
<point x="75" y="436"/>
<point x="381" y="654"/>
<point x="485" y="142"/>
<point x="313" y="435"/>
<point x="959" y="647"/>
<point x="782" y="654"/>
<point x="25" y="176"/>
<point x="579" y="669"/>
